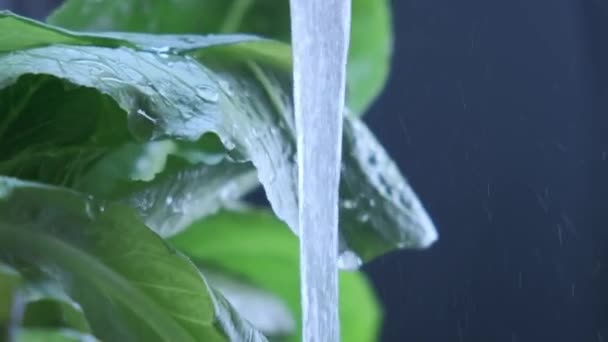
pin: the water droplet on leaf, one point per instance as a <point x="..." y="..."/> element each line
<point x="225" y="85"/>
<point x="348" y="204"/>
<point x="363" y="217"/>
<point x="207" y="93"/>
<point x="348" y="260"/>
<point x="141" y="125"/>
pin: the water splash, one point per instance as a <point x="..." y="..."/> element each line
<point x="320" y="33"/>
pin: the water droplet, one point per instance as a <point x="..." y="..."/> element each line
<point x="207" y="93"/>
<point x="349" y="204"/>
<point x="141" y="124"/>
<point x="188" y="40"/>
<point x="163" y="49"/>
<point x="407" y="204"/>
<point x="90" y="208"/>
<point x="363" y="217"/>
<point x="293" y="158"/>
<point x="385" y="185"/>
<point x="176" y="207"/>
<point x="372" y="160"/>
<point x="401" y="245"/>
<point x="229" y="191"/>
<point x="272" y="177"/>
<point x="348" y="260"/>
<point x="226" y="87"/>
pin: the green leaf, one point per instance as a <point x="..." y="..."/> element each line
<point x="234" y="92"/>
<point x="256" y="247"/>
<point x="37" y="34"/>
<point x="267" y="312"/>
<point x="52" y="312"/>
<point x="53" y="335"/>
<point x="174" y="200"/>
<point x="162" y="16"/>
<point x="170" y="185"/>
<point x="36" y="302"/>
<point x="130" y="284"/>
<point x="45" y="137"/>
<point x="370" y="44"/>
<point x="11" y="300"/>
<point x="369" y="57"/>
<point x="48" y="306"/>
<point x="31" y="34"/>
<point x="10" y="280"/>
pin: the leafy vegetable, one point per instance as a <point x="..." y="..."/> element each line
<point x="255" y="246"/>
<point x="104" y="135"/>
<point x="131" y="285"/>
<point x="370" y="46"/>
<point x="246" y="102"/>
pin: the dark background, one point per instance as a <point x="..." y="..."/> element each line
<point x="496" y="112"/>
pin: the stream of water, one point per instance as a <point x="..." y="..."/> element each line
<point x="320" y="38"/>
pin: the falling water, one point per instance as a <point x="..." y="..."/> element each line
<point x="320" y="33"/>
